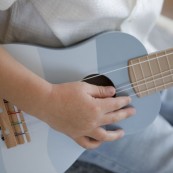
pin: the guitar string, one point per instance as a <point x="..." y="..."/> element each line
<point x="170" y="75"/>
<point x="36" y="129"/>
<point x="162" y="77"/>
<point x="125" y="67"/>
<point x="148" y="60"/>
<point x="123" y="86"/>
<point x="132" y="95"/>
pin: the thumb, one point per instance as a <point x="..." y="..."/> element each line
<point x="102" y="91"/>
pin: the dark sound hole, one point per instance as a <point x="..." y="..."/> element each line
<point x="99" y="80"/>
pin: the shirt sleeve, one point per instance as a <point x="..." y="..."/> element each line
<point x="5" y="4"/>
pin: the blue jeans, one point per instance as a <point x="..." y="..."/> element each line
<point x="148" y="152"/>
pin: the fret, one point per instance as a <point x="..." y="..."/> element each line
<point x="155" y="70"/>
<point x="170" y="56"/>
<point x="170" y="62"/>
<point x="171" y="83"/>
<point x="166" y="65"/>
<point x="143" y="75"/>
<point x="137" y="76"/>
<point x="147" y="73"/>
<point x="167" y="60"/>
<point x="167" y="68"/>
<point x="134" y="76"/>
<point x="152" y="72"/>
<point x="154" y="86"/>
<point x="160" y="68"/>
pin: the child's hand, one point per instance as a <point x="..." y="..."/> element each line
<point x="79" y="110"/>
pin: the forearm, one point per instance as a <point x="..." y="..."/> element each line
<point x="20" y="86"/>
<point x="84" y="107"/>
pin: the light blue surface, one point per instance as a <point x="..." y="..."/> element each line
<point x="101" y="54"/>
<point x="113" y="51"/>
<point x="2" y="168"/>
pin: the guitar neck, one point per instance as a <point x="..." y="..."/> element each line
<point x="13" y="125"/>
<point x="151" y="73"/>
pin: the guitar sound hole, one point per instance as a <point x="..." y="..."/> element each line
<point x="99" y="80"/>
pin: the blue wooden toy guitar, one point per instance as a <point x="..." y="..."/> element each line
<point x="118" y="56"/>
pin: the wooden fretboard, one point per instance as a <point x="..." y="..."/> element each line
<point x="151" y="73"/>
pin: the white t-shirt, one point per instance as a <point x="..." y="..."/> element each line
<point x="64" y="22"/>
<point x="70" y="21"/>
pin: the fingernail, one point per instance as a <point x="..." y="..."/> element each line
<point x="111" y="90"/>
<point x="121" y="133"/>
<point x="130" y="100"/>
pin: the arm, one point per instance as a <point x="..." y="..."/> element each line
<point x="77" y="109"/>
<point x="16" y="81"/>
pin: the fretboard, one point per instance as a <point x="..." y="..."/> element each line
<point x="151" y="73"/>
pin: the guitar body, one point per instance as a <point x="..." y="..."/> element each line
<point x="51" y="151"/>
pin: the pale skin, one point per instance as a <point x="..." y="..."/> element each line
<point x="76" y="109"/>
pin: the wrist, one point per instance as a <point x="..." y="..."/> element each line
<point x="39" y="103"/>
<point x="22" y="87"/>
